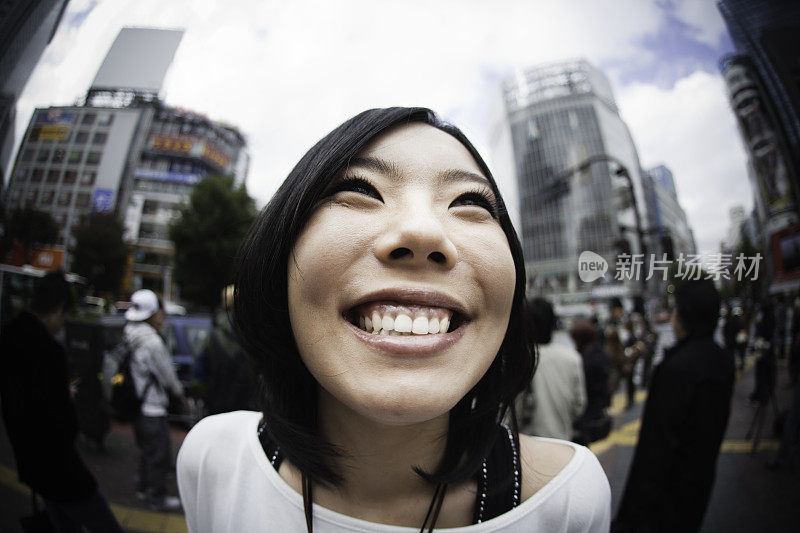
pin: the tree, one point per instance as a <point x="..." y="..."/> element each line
<point x="207" y="237"/>
<point x="100" y="252"/>
<point x="30" y="227"/>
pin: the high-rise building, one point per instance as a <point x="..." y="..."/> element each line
<point x="569" y="143"/>
<point x="125" y="151"/>
<point x="763" y="80"/>
<point x="26" y="27"/>
<point x="667" y="224"/>
<point x="767" y="33"/>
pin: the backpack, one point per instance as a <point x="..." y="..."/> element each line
<point x="126" y="405"/>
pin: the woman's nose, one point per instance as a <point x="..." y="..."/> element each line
<point x="416" y="238"/>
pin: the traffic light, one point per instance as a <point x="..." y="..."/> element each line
<point x="667" y="247"/>
<point x="623" y="246"/>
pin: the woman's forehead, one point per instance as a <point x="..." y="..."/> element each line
<point x="420" y="146"/>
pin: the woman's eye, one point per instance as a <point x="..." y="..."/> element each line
<point x="477" y="199"/>
<point x="357" y="185"/>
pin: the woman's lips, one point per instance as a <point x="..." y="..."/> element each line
<point x="409" y="344"/>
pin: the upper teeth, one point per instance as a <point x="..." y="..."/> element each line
<point x="394" y="320"/>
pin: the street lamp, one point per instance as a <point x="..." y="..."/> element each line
<point x="557" y="187"/>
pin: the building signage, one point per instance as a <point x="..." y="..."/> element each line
<point x="179" y="145"/>
<point x="160" y="175"/>
<point x="190" y="147"/>
<point x="215" y="156"/>
<point x="50" y="133"/>
<point x="55" y="116"/>
<point x="102" y="201"/>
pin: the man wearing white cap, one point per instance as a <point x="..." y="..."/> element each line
<point x="154" y="376"/>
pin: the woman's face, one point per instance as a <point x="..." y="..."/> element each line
<point x="401" y="283"/>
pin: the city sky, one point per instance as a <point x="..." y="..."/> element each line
<point x="285" y="73"/>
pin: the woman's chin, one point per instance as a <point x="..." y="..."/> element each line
<point x="403" y="408"/>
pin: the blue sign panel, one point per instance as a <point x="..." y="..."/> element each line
<point x="160" y="175"/>
<point x="55" y="116"/>
<point x="103" y="200"/>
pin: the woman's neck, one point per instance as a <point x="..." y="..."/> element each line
<point x="379" y="482"/>
<point x="378" y="459"/>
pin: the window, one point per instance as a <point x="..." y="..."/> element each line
<point x="100" y="137"/>
<point x="31" y="197"/>
<point x="66" y="138"/>
<point x="15" y="194"/>
<point x="105" y="119"/>
<point x="47" y="197"/>
<point x="43" y="155"/>
<point x="87" y="178"/>
<point x="82" y="199"/>
<point x="58" y="155"/>
<point x="37" y="175"/>
<point x="92" y="158"/>
<point x="53" y="175"/>
<point x="89" y="118"/>
<point x="27" y="155"/>
<point x="150" y="207"/>
<point x="70" y="177"/>
<point x="21" y="174"/>
<point x="64" y="197"/>
<point x="75" y="156"/>
<point x="82" y="137"/>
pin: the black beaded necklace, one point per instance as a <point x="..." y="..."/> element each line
<point x="482" y="504"/>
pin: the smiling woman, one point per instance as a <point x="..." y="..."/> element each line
<point x="381" y="295"/>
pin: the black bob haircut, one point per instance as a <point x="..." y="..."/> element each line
<point x="288" y="393"/>
<point x="697" y="302"/>
<point x="51" y="293"/>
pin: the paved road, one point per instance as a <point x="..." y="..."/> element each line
<point x="746" y="497"/>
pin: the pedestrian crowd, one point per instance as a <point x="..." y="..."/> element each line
<point x="579" y="370"/>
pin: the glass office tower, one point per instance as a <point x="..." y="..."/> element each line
<point x="559" y="116"/>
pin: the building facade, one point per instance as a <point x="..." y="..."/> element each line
<point x="669" y="227"/>
<point x="26" y="28"/>
<point x="767" y="33"/>
<point x="181" y="148"/>
<point x="139" y="162"/>
<point x="562" y="117"/>
<point x="125" y="152"/>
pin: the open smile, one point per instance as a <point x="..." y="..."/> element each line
<point x="408" y="321"/>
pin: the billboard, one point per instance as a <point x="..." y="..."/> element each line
<point x="190" y="147"/>
<point x="138" y="59"/>
<point x="102" y="201"/>
<point x="50" y="133"/>
<point x="160" y="175"/>
<point x="55" y="116"/>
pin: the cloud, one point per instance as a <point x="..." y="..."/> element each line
<point x="286" y="73"/>
<point x="692" y="130"/>
<point x="704" y="20"/>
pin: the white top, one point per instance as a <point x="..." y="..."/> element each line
<point x="227" y="484"/>
<point x="559" y="392"/>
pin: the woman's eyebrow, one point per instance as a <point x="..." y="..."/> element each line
<point x="377" y="165"/>
<point x="391" y="170"/>
<point x="464" y="176"/>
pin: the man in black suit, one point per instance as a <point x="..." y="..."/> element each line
<point x="684" y="421"/>
<point x="39" y="415"/>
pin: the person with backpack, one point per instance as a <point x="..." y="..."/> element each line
<point x="39" y="414"/>
<point x="154" y="379"/>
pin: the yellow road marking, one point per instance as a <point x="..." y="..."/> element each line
<point x="128" y="517"/>
<point x="628" y="435"/>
